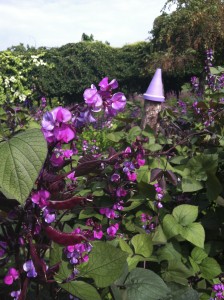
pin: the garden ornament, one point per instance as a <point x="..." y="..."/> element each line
<point x="153" y="98"/>
<point x="155" y="89"/>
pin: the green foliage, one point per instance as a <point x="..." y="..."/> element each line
<point x="22" y="158"/>
<point x="181" y="223"/>
<point x="105" y="265"/>
<point x="17" y="75"/>
<point x="144" y="284"/>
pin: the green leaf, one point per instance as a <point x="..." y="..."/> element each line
<point x="194" y="265"/>
<point x="81" y="289"/>
<point x="210" y="268"/>
<point x="115" y="136"/>
<point x="194" y="233"/>
<point x="213" y="186"/>
<point x="180" y="292"/>
<point x="154" y="147"/>
<point x="143" y="174"/>
<point x="88" y="213"/>
<point x="191" y="185"/>
<point x="133" y="133"/>
<point x="22" y="158"/>
<point x="170" y="226"/>
<point x="125" y="247"/>
<point x="142" y="244"/>
<point x="133" y="261"/>
<point x="158" y="236"/>
<point x="177" y="272"/>
<point x="198" y="255"/>
<point x="105" y="264"/>
<point x="56" y="257"/>
<point x="185" y="214"/>
<point x="144" y="284"/>
<point x="170" y="252"/>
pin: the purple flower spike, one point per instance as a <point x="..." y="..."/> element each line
<point x="12" y="275"/>
<point x="28" y="267"/>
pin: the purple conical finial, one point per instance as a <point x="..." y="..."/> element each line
<point x="155" y="89"/>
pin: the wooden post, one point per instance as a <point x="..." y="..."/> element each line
<point x="150" y="117"/>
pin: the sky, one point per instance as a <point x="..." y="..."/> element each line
<point x="53" y="23"/>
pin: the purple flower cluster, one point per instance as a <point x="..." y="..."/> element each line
<point x="56" y="127"/>
<point x="159" y="195"/>
<point x="12" y="275"/>
<point x="29" y="268"/>
<point x="15" y="294"/>
<point x="148" y="224"/>
<point x="219" y="291"/>
<point x="101" y="100"/>
<point x="40" y="198"/>
<point x="78" y="253"/>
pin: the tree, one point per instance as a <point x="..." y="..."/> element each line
<point x="87" y="38"/>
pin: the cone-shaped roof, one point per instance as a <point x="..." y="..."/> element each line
<point x="155" y="89"/>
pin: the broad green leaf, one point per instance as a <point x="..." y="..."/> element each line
<point x="170" y="226"/>
<point x="105" y="264"/>
<point x="88" y="213"/>
<point x="170" y="252"/>
<point x="210" y="268"/>
<point x="213" y="186"/>
<point x="22" y="158"/>
<point x="198" y="255"/>
<point x="133" y="205"/>
<point x="177" y="272"/>
<point x="115" y="136"/>
<point x="125" y="247"/>
<point x="194" y="265"/>
<point x="133" y="261"/>
<point x="81" y="289"/>
<point x="116" y="292"/>
<point x="191" y="185"/>
<point x="158" y="236"/>
<point x="133" y="133"/>
<point x="180" y="292"/>
<point x="194" y="233"/>
<point x="144" y="284"/>
<point x="142" y="244"/>
<point x="185" y="214"/>
<point x="143" y="174"/>
<point x="154" y="147"/>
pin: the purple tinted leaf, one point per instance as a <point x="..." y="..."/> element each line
<point x="156" y="174"/>
<point x="171" y="177"/>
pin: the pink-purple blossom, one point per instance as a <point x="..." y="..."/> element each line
<point x="110" y="213"/>
<point x="40" y="198"/>
<point x="112" y="230"/>
<point x="105" y="86"/>
<point x="93" y="98"/>
<point x="11" y="275"/>
<point x="28" y="267"/>
<point x="15" y="294"/>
